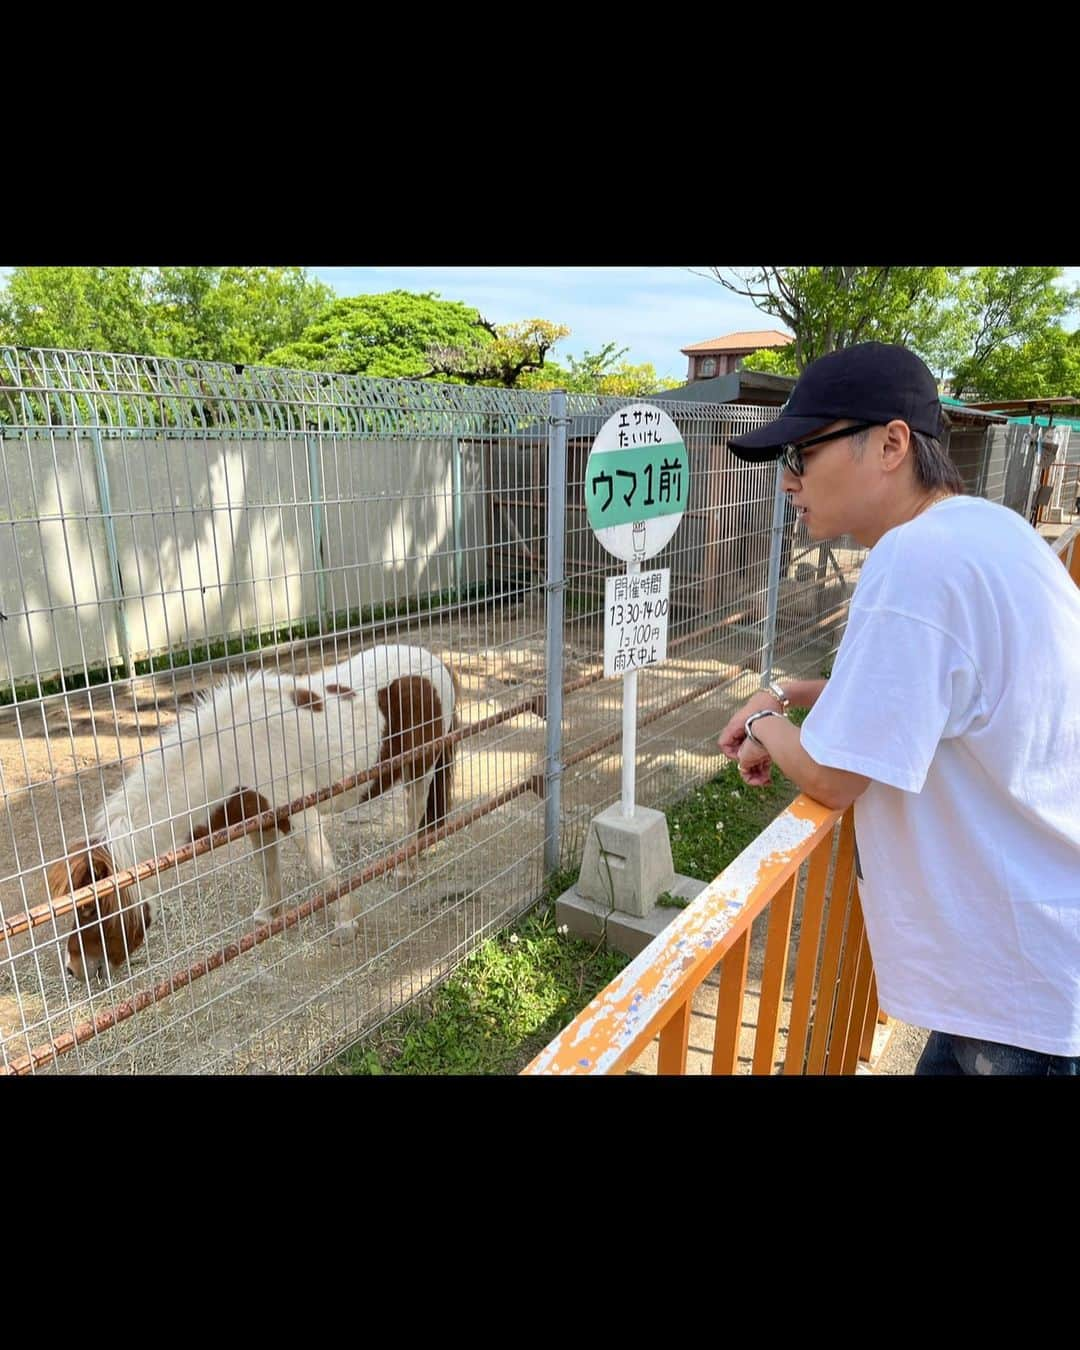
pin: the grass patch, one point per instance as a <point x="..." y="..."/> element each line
<point x="500" y="1008"/>
<point x="713" y="825"/>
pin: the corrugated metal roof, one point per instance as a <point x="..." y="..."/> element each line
<point x="1030" y="404"/>
<point x="728" y="388"/>
<point x="958" y="411"/>
<point x="1072" y="423"/>
<point x="1003" y="408"/>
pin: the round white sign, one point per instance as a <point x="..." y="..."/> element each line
<point x="637" y="480"/>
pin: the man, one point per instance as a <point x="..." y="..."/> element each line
<point x="950" y="719"/>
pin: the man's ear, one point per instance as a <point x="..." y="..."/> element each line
<point x="896" y="446"/>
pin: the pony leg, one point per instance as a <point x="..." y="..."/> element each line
<point x="348" y="924"/>
<point x="323" y="867"/>
<point x="320" y="857"/>
<point x="264" y="849"/>
<point x="349" y="916"/>
<point x="416" y="795"/>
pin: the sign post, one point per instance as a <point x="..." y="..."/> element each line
<point x="637" y="480"/>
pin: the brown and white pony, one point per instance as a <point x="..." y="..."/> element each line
<point x="249" y="745"/>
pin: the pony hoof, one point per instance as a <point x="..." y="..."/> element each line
<point x="265" y="915"/>
<point x="344" y="933"/>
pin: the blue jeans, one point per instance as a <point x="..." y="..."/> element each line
<point x="953" y="1056"/>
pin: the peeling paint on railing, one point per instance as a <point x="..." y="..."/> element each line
<point x="617" y="1024"/>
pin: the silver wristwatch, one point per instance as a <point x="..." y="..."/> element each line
<point x="748" y="725"/>
<point x="779" y="695"/>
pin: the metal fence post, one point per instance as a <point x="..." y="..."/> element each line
<point x="556" y="586"/>
<point x="315" y="485"/>
<point x="105" y="502"/>
<point x="101" y="474"/>
<point x="773" y="593"/>
<point x="459" y="533"/>
<point x="1037" y="434"/>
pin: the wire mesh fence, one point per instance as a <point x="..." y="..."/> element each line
<point x="277" y="668"/>
<point x="1057" y="497"/>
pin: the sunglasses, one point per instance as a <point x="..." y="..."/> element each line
<point x="791" y="455"/>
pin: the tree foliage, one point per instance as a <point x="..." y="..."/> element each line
<point x="386" y="335"/>
<point x="830" y="307"/>
<point x="514" y="350"/>
<point x="407" y="335"/>
<point x="602" y="372"/>
<point x="981" y="330"/>
<point x="211" y="313"/>
<point x="1012" y="328"/>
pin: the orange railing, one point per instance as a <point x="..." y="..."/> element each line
<point x="1067" y="547"/>
<point x="816" y="1007"/>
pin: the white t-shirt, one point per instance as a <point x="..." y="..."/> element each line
<point x="956" y="688"/>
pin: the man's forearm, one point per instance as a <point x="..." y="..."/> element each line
<point x="832" y="787"/>
<point x="803" y="693"/>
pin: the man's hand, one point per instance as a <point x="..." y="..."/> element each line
<point x="755" y="762"/>
<point x="734" y="734"/>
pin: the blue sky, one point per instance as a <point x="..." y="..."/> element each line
<point x="651" y="310"/>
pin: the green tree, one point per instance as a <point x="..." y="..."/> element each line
<point x="88" y="308"/>
<point x="585" y="376"/>
<point x="602" y="372"/>
<point x="1008" y="311"/>
<point x="214" y="313"/>
<point x="1046" y="366"/>
<point x="233" y="313"/>
<point x="513" y="351"/>
<point x="627" y="380"/>
<point x="772" y="360"/>
<point x="830" y="307"/>
<point x="409" y="335"/>
<point x="389" y="334"/>
<point x="967" y="322"/>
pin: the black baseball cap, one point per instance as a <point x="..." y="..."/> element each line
<point x="872" y="382"/>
